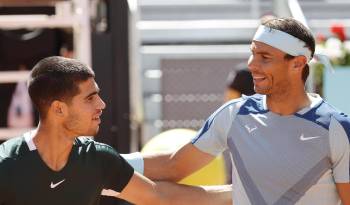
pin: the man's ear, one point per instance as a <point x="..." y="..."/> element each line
<point x="58" y="108"/>
<point x="299" y="62"/>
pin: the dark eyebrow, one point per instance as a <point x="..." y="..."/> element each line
<point x="263" y="53"/>
<point x="93" y="93"/>
<point x="260" y="52"/>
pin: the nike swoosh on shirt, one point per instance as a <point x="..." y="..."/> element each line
<point x="52" y="185"/>
<point x="302" y="138"/>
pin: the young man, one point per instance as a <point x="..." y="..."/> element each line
<point x="287" y="146"/>
<point x="53" y="165"/>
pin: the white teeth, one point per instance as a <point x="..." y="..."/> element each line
<point x="258" y="77"/>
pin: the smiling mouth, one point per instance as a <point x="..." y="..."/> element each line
<point x="97" y="116"/>
<point x="97" y="119"/>
<point x="258" y="79"/>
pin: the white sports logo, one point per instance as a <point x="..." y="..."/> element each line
<point x="52" y="185"/>
<point x="302" y="138"/>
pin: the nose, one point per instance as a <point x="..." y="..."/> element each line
<point x="101" y="104"/>
<point x="252" y="65"/>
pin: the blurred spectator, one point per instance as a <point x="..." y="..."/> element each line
<point x="20" y="113"/>
<point x="67" y="47"/>
<point x="238" y="83"/>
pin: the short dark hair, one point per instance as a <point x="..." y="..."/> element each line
<point x="56" y="78"/>
<point x="298" y="30"/>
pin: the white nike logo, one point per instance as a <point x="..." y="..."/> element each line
<point x="52" y="185"/>
<point x="250" y="129"/>
<point x="302" y="138"/>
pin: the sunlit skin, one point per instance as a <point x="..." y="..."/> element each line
<point x="84" y="111"/>
<point x="278" y="78"/>
<point x="67" y="120"/>
<point x="269" y="69"/>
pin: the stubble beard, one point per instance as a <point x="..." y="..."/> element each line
<point x="280" y="90"/>
<point x="74" y="125"/>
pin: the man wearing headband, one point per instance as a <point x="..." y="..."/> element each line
<point x="287" y="146"/>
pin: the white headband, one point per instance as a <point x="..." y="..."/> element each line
<point x="282" y="41"/>
<point x="288" y="44"/>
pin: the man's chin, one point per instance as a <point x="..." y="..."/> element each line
<point x="261" y="92"/>
<point x="92" y="133"/>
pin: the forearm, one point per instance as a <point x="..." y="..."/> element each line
<point x="159" y="166"/>
<point x="173" y="166"/>
<point x="177" y="165"/>
<point x="155" y="166"/>
<point x="178" y="194"/>
<point x="142" y="191"/>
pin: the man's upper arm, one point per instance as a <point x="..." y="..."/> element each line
<point x="141" y="190"/>
<point x="210" y="141"/>
<point x="212" y="137"/>
<point x="116" y="172"/>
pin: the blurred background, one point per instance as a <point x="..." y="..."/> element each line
<point x="160" y="64"/>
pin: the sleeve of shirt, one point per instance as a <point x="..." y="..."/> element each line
<point x="116" y="171"/>
<point x="212" y="137"/>
<point x="340" y="149"/>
